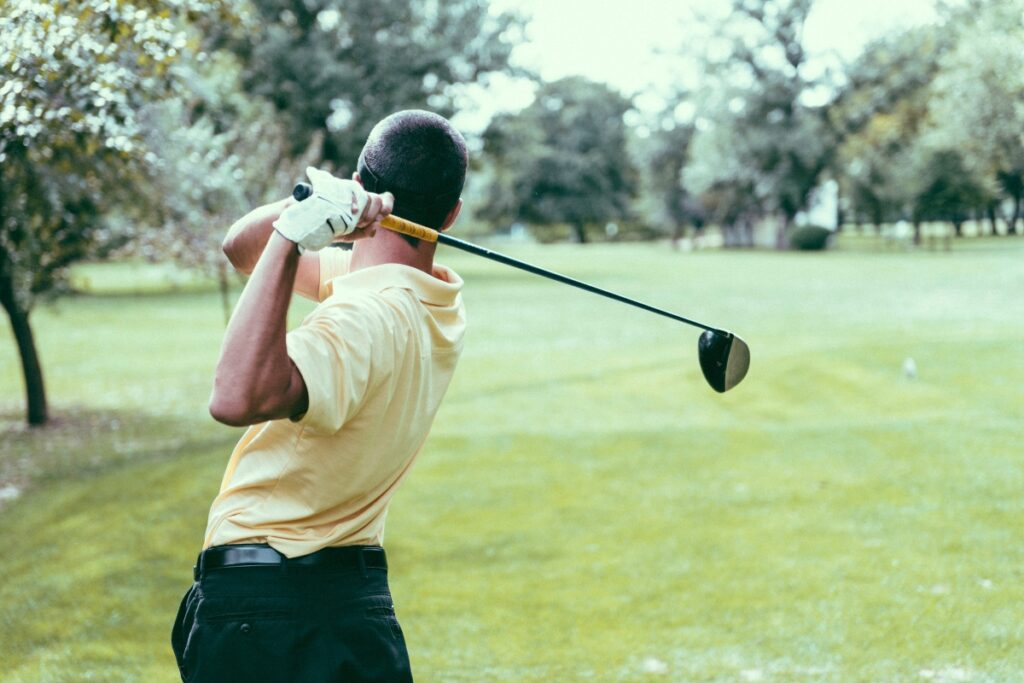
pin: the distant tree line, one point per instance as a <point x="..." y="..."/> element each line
<point x="926" y="125"/>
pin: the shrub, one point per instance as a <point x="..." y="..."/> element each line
<point x="809" y="238"/>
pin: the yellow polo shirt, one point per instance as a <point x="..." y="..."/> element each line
<point x="377" y="355"/>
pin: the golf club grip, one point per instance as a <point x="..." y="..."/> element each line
<point x="421" y="232"/>
<point x="393" y="223"/>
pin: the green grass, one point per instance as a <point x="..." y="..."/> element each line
<point x="586" y="509"/>
<point x="134" y="278"/>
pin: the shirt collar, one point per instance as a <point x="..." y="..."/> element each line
<point x="440" y="289"/>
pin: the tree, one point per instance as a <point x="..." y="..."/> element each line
<point x="563" y="159"/>
<point x="893" y="69"/>
<point x="665" y="153"/>
<point x="758" y="131"/>
<point x="948" y="192"/>
<point x="880" y="116"/>
<point x="728" y="189"/>
<point x="889" y="163"/>
<point x="333" y="68"/>
<point x="76" y="73"/>
<point x="979" y="98"/>
<point x="221" y="152"/>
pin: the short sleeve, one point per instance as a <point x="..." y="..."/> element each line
<point x="333" y="350"/>
<point x="334" y="262"/>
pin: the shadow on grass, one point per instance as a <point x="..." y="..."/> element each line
<point x="81" y="442"/>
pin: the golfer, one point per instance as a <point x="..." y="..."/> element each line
<point x="291" y="584"/>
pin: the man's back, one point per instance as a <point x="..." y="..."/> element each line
<point x="377" y="355"/>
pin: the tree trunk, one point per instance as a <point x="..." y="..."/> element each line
<point x="677" y="234"/>
<point x="581" y="232"/>
<point x="992" y="220"/>
<point x="728" y="235"/>
<point x="1012" y="229"/>
<point x="781" y="236"/>
<point x="917" y="233"/>
<point x="958" y="228"/>
<point x="35" y="390"/>
<point x="225" y="291"/>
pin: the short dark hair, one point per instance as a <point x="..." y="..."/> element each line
<point x="421" y="159"/>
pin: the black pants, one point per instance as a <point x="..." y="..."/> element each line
<point x="289" y="624"/>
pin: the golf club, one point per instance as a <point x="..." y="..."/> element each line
<point x="724" y="357"/>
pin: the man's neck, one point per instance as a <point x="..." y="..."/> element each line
<point x="390" y="247"/>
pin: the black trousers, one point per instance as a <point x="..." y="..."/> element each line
<point x="291" y="624"/>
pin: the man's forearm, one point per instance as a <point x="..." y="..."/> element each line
<point x="247" y="238"/>
<point x="255" y="379"/>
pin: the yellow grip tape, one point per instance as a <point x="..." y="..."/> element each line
<point x="409" y="228"/>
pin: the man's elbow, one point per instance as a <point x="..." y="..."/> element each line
<point x="235" y="253"/>
<point x="231" y="413"/>
<point x="235" y="413"/>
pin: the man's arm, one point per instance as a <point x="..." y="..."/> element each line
<point x="248" y="237"/>
<point x="255" y="379"/>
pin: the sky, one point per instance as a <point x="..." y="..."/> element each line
<point x="633" y="45"/>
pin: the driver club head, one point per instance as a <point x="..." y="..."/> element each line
<point x="724" y="359"/>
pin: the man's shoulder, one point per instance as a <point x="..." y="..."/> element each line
<point x="374" y="312"/>
<point x="353" y="303"/>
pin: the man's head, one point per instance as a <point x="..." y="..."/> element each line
<point x="419" y="158"/>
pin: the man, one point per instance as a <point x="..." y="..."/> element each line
<point x="292" y="582"/>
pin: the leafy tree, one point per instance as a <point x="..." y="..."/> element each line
<point x="221" y="152"/>
<point x="333" y="68"/>
<point x="759" y="133"/>
<point x="75" y="76"/>
<point x="664" y="155"/>
<point x="880" y="116"/>
<point x="928" y="115"/>
<point x="948" y="192"/>
<point x="979" y="98"/>
<point x="563" y="159"/>
<point x="511" y="143"/>
<point x="891" y="70"/>
<point x="728" y="190"/>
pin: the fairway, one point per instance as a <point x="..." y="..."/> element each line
<point x="587" y="508"/>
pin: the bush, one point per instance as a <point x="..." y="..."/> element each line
<point x="809" y="238"/>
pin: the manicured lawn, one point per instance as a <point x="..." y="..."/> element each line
<point x="587" y="508"/>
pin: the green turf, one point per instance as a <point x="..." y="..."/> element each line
<point x="587" y="509"/>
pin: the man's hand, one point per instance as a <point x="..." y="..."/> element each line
<point x="338" y="210"/>
<point x="378" y="207"/>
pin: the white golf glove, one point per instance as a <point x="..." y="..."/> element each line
<point x="332" y="211"/>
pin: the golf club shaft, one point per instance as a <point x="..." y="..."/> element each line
<point x="564" y="279"/>
<point x="406" y="227"/>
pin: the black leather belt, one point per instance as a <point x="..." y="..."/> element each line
<point x="359" y="557"/>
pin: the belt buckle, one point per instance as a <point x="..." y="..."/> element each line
<point x="246" y="555"/>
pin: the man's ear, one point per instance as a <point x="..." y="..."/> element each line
<point x="355" y="177"/>
<point x="452" y="215"/>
